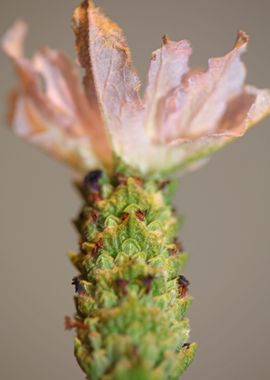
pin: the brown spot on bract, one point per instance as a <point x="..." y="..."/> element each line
<point x="173" y="251"/>
<point x="94" y="215"/>
<point x="74" y="324"/>
<point x="122" y="285"/>
<point x="163" y="184"/>
<point x="98" y="246"/>
<point x="176" y="248"/>
<point x="140" y="214"/>
<point x="139" y="181"/>
<point x="95" y="197"/>
<point x="121" y="179"/>
<point x="124" y="216"/>
<point x="147" y="282"/>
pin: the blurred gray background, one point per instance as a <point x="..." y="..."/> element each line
<point x="226" y="205"/>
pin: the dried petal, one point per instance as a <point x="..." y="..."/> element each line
<point x="186" y="115"/>
<point x="208" y="109"/>
<point x="63" y="86"/>
<point x="29" y="123"/>
<point x="260" y="107"/>
<point x="242" y="113"/>
<point x="202" y="97"/>
<point x="168" y="65"/>
<point x="234" y="120"/>
<point x="103" y="52"/>
<point x="56" y="117"/>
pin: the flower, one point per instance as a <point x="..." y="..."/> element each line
<point x="184" y="116"/>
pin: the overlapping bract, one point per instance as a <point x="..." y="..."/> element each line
<point x="185" y="114"/>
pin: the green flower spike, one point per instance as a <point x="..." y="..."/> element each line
<point x="131" y="295"/>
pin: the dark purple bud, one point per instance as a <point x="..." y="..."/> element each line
<point x="78" y="287"/>
<point x="183" y="281"/>
<point x="183" y="284"/>
<point x="74" y="324"/>
<point x="91" y="180"/>
<point x="81" y="215"/>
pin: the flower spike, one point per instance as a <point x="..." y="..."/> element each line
<point x="131" y="296"/>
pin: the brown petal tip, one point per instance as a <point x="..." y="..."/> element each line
<point x="165" y="39"/>
<point x="241" y="40"/>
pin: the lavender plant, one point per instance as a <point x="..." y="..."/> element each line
<point x="131" y="295"/>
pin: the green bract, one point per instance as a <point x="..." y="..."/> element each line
<point x="131" y="305"/>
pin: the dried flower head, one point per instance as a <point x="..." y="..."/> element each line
<point x="184" y="116"/>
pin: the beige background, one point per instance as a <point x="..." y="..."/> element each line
<point x="226" y="205"/>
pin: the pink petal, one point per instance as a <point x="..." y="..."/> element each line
<point x="203" y="96"/>
<point x="243" y="112"/>
<point x="234" y="120"/>
<point x="52" y="116"/>
<point x="104" y="54"/>
<point x="63" y="86"/>
<point x="260" y="107"/>
<point x="168" y="65"/>
<point x="31" y="125"/>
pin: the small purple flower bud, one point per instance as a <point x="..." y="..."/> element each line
<point x="78" y="287"/>
<point x="183" y="284"/>
<point x="183" y="281"/>
<point x="91" y="180"/>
